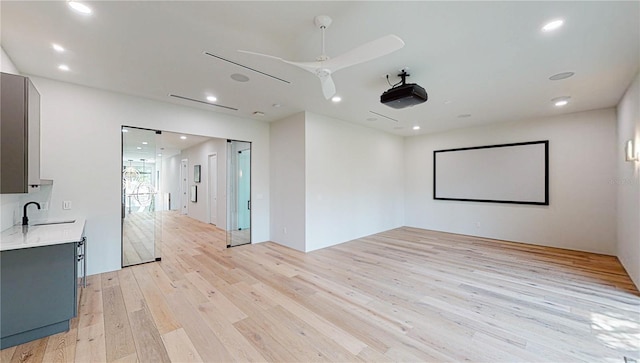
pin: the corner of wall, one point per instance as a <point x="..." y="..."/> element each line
<point x="6" y="64"/>
<point x="287" y="181"/>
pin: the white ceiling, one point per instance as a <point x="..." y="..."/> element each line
<point x="486" y="59"/>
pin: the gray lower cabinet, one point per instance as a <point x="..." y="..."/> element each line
<point x="38" y="292"/>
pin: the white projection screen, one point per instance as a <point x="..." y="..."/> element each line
<point x="508" y="173"/>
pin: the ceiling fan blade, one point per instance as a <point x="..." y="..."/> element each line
<point x="366" y="52"/>
<point x="328" y="87"/>
<point x="307" y="66"/>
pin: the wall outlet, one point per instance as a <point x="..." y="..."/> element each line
<point x="284" y="230"/>
<point x="66" y="205"/>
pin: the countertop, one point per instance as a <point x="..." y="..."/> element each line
<point x="18" y="237"/>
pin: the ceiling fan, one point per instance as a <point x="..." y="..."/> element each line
<point x="324" y="66"/>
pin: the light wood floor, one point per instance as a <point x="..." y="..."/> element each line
<point x="403" y="295"/>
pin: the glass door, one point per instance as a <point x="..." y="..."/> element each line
<point x="238" y="193"/>
<point x="141" y="197"/>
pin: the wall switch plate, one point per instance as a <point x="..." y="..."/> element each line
<point x="66" y="205"/>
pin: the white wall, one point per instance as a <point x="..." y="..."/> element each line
<point x="170" y="179"/>
<point x="354" y="181"/>
<point x="81" y="153"/>
<point x="628" y="183"/>
<point x="582" y="210"/>
<point x="199" y="155"/>
<point x="288" y="181"/>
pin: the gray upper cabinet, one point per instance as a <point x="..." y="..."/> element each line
<point x="20" y="134"/>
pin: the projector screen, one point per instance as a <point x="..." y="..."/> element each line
<point x="508" y="173"/>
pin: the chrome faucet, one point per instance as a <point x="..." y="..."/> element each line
<point x="25" y="220"/>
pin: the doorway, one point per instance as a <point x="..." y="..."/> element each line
<point x="238" y="193"/>
<point x="181" y="178"/>
<point x="141" y="167"/>
<point x="213" y="188"/>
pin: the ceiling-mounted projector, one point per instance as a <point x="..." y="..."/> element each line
<point x="404" y="95"/>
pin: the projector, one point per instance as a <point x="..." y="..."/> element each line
<point x="405" y="95"/>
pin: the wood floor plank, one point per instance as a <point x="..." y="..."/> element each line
<point x="148" y="343"/>
<point x="118" y="336"/>
<point x="204" y="340"/>
<point x="91" y="344"/>
<point x="179" y="347"/>
<point x="226" y="308"/>
<point x="90" y="308"/>
<point x="235" y="343"/>
<point x="61" y="347"/>
<point x="30" y="352"/>
<point x="7" y="353"/>
<point x="133" y="298"/>
<point x="162" y="315"/>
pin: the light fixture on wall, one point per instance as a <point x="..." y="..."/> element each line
<point x="630" y="152"/>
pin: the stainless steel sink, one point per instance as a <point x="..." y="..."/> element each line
<point x="46" y="223"/>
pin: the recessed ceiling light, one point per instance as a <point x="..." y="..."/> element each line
<point x="159" y="154"/>
<point x="79" y="7"/>
<point x="139" y="148"/>
<point x="371" y="119"/>
<point x="559" y="76"/>
<point x="447" y="102"/>
<point x="183" y="137"/>
<point x="258" y="113"/>
<point x="561" y="101"/>
<point x="239" y="77"/>
<point x="276" y="105"/>
<point x="57" y="47"/>
<point x="212" y="98"/>
<point x="416" y="127"/>
<point x="145" y="143"/>
<point x="63" y="67"/>
<point x="464" y="115"/>
<point x="552" y="25"/>
<point x="336" y="99"/>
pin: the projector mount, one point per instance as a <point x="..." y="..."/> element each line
<point x="403" y="78"/>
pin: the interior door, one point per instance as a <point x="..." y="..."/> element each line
<point x="213" y="189"/>
<point x="238" y="193"/>
<point x="141" y="213"/>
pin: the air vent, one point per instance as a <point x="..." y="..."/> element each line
<point x="387" y="117"/>
<point x="200" y="101"/>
